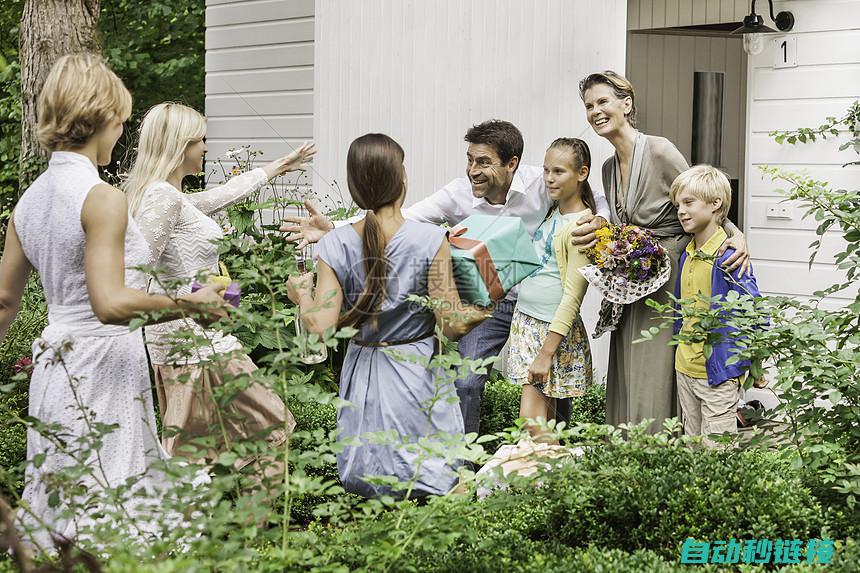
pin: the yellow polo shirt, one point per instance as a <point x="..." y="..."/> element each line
<point x="696" y="279"/>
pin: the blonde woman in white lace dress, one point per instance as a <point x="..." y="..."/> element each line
<point x="180" y="234"/>
<point x="73" y="229"/>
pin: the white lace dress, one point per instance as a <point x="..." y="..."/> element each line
<point x="81" y="366"/>
<point x="180" y="233"/>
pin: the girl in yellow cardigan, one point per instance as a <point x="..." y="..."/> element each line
<point x="549" y="353"/>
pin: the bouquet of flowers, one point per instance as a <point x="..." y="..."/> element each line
<point x="628" y="263"/>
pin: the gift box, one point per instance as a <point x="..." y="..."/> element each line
<point x="491" y="255"/>
<point x="231" y="294"/>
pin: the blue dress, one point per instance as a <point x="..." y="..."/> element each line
<point x="387" y="394"/>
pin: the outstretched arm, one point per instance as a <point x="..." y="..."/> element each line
<point x="244" y="185"/>
<point x="14" y="270"/>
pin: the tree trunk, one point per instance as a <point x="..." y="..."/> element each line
<point x="49" y="29"/>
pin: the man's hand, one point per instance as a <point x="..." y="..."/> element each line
<point x="741" y="256"/>
<point x="583" y="236"/>
<point x="308" y="229"/>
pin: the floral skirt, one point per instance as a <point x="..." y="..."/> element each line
<point x="571" y="371"/>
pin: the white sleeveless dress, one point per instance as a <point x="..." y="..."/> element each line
<point x="80" y="363"/>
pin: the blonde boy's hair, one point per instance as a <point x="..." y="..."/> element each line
<point x="80" y="96"/>
<point x="165" y="132"/>
<point x="706" y="183"/>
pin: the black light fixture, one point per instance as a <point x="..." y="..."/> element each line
<point x="754" y="27"/>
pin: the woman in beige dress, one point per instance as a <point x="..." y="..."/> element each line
<point x="640" y="381"/>
<point x="180" y="234"/>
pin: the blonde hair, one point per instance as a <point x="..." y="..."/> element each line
<point x="620" y="85"/>
<point x="165" y="132"/>
<point x="80" y="96"/>
<point x="706" y="183"/>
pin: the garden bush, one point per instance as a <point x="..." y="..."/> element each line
<point x="621" y="507"/>
<point x="501" y="405"/>
<point x="15" y="351"/>
<point x="632" y="497"/>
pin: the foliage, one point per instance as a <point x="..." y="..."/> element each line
<point x="626" y="505"/>
<point x="10" y="106"/>
<point x="15" y="350"/>
<point x="851" y="121"/>
<point x="500" y="406"/>
<point x="157" y="48"/>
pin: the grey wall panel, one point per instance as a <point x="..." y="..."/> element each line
<point x="258" y="11"/>
<point x="255" y="58"/>
<point x="259" y="81"/>
<point x="265" y="103"/>
<point x="260" y="33"/>
<point x="250" y="127"/>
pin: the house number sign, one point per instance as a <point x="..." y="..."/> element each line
<point x="785" y="52"/>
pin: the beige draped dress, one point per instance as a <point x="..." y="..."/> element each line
<point x="641" y="377"/>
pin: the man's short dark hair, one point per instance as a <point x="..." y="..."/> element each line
<point x="503" y="136"/>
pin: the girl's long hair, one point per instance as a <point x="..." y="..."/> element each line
<point x="581" y="158"/>
<point x="375" y="176"/>
<point x="165" y="132"/>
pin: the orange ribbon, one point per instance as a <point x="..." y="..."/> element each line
<point x="486" y="266"/>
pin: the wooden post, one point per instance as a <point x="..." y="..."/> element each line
<point x="49" y="29"/>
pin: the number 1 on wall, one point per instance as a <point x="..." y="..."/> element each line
<point x="785" y="52"/>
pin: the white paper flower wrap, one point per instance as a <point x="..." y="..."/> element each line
<point x="618" y="291"/>
<point x="621" y="290"/>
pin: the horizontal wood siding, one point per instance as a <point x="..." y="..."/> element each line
<point x="259" y="80"/>
<point x="824" y="83"/>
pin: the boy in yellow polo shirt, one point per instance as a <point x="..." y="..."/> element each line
<point x="707" y="387"/>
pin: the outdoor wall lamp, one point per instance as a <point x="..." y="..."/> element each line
<point x="754" y="28"/>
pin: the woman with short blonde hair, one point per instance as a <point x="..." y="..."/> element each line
<point x="180" y="235"/>
<point x="89" y="368"/>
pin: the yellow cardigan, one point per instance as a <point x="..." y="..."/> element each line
<point x="575" y="285"/>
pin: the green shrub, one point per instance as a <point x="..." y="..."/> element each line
<point x="631" y="497"/>
<point x="619" y="508"/>
<point x="501" y="405"/>
<point x="17" y="344"/>
<point x="591" y="407"/>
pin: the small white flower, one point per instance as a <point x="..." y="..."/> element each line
<point x="233" y="153"/>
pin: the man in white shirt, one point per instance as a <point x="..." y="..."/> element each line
<point x="495" y="184"/>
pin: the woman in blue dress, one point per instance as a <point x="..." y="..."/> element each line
<point x="365" y="274"/>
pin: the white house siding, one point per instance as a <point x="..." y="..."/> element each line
<point x="423" y="71"/>
<point x="825" y="81"/>
<point x="259" y="78"/>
